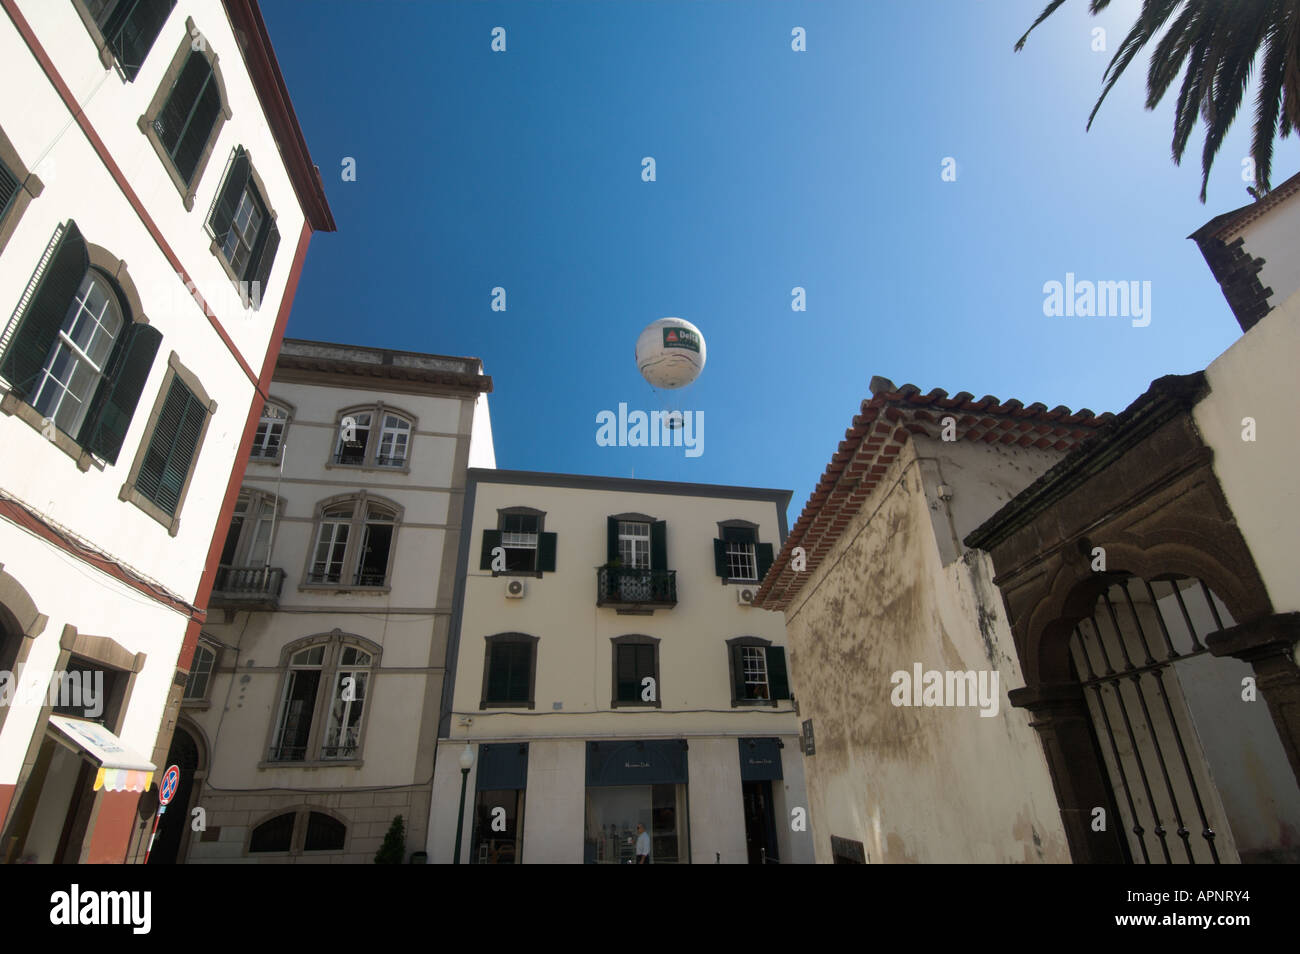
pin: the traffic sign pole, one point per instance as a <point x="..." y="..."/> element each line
<point x="171" y="781"/>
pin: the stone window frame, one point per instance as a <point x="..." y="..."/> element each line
<point x="635" y="639"/>
<point x="290" y="412"/>
<point x="106" y="54"/>
<point x="511" y="637"/>
<point x="29" y="187"/>
<point x="271" y="217"/>
<point x="334" y="642"/>
<point x="175" y="369"/>
<point x="376" y="410"/>
<point x="193" y="42"/>
<point x="361" y="501"/>
<point x="133" y="309"/>
<point x="298" y="839"/>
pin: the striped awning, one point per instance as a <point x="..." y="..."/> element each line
<point x="120" y="768"/>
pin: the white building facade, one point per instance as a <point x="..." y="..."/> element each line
<point x="312" y="709"/>
<point x="609" y="672"/>
<point x="156" y="203"/>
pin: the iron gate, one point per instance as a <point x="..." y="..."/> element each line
<point x="1125" y="654"/>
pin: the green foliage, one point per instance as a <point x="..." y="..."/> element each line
<point x="393" y="850"/>
<point x="1214" y="44"/>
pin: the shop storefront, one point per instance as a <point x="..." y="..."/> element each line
<point x="499" y="789"/>
<point x="631" y="783"/>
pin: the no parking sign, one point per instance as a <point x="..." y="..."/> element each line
<point x="171" y="780"/>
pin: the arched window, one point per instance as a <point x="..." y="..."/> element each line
<point x="79" y="355"/>
<point x="296" y="831"/>
<point x="270" y="432"/>
<point x="354" y="542"/>
<point x="324" y="699"/>
<point x="374" y="436"/>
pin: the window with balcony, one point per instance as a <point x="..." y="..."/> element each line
<point x="244" y="573"/>
<point x="636" y="575"/>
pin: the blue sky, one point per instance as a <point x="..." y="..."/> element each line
<point x="775" y="169"/>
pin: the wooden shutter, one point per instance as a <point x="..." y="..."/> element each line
<point x="46" y="311"/>
<point x="270" y="242"/>
<point x="659" y="545"/>
<point x="778" y="681"/>
<point x="491" y="540"/>
<point x="115" y="402"/>
<point x="498" y="672"/>
<point x="720" y="558"/>
<point x="546" y="552"/>
<point x="737" y="674"/>
<point x="170" y="122"/>
<point x="8" y="188"/>
<point x="131" y="29"/>
<point x="764" y="552"/>
<point x="172" y="448"/>
<point x="223" y="210"/>
<point x="611" y="539"/>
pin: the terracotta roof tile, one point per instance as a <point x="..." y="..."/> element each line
<point x="872" y="442"/>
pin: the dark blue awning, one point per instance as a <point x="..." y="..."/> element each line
<point x="502" y="765"/>
<point x="650" y="762"/>
<point x="760" y="760"/>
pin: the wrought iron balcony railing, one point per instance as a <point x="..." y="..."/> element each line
<point x="635" y="588"/>
<point x="244" y="585"/>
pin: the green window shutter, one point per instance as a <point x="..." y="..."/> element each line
<point x="778" y="681"/>
<point x="546" y="552"/>
<point x="510" y="672"/>
<point x="223" y="210"/>
<point x="659" y="545"/>
<point x="172" y="448"/>
<point x="38" y="329"/>
<point x="115" y="401"/>
<point x="764" y="551"/>
<point x="720" y="558"/>
<point x="737" y="674"/>
<point x="131" y="29"/>
<point x="611" y="539"/>
<point x="186" y="119"/>
<point x="270" y="242"/>
<point x="8" y="188"/>
<point x="491" y="540"/>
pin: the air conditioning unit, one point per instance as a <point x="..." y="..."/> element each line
<point x="514" y="589"/>
<point x="745" y="594"/>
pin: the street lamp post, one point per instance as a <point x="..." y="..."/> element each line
<point x="466" y="762"/>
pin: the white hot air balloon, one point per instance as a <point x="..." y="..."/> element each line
<point x="670" y="355"/>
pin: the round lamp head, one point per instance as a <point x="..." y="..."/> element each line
<point x="467" y="758"/>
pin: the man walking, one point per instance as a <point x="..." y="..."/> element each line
<point x="642" y="845"/>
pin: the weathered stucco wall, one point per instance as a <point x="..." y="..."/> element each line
<point x="916" y="784"/>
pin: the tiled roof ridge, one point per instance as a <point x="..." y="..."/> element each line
<point x="884" y="422"/>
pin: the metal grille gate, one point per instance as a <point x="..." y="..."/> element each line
<point x="1150" y="747"/>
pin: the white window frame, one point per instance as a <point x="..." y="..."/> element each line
<point x="388" y="438"/>
<point x="634" y="545"/>
<point x="274" y="415"/>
